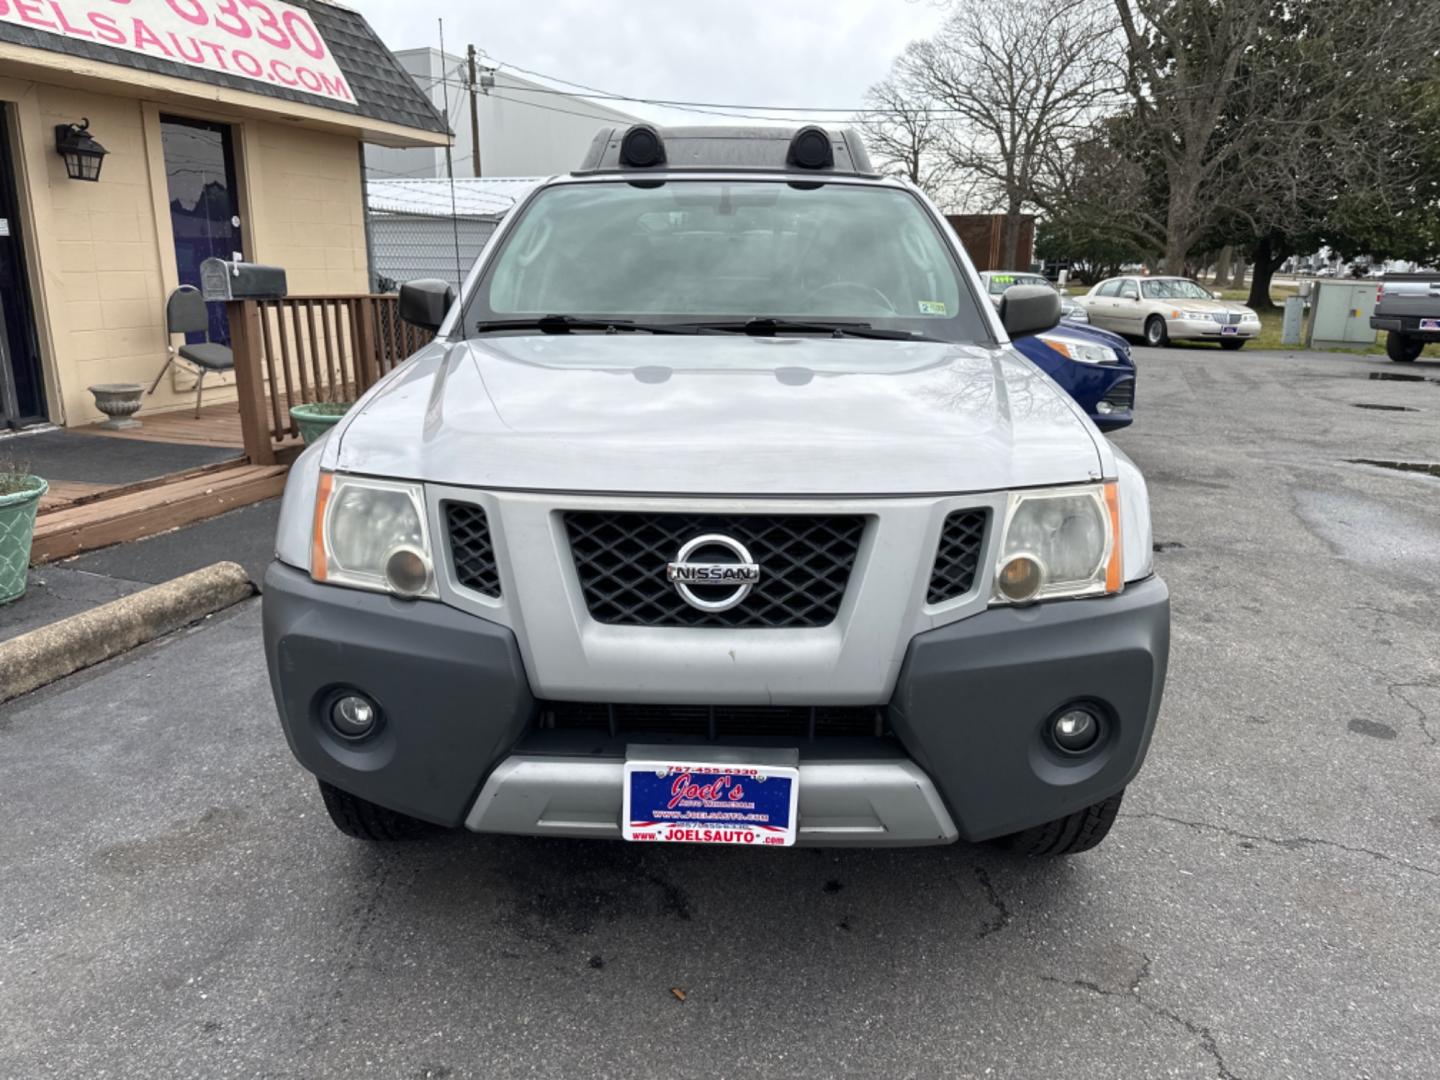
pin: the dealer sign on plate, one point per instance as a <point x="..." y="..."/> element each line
<point x="709" y="802"/>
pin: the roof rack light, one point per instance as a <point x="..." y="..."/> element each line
<point x="811" y="149"/>
<point x="642" y="148"/>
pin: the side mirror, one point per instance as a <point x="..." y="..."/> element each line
<point x="425" y="303"/>
<point x="1129" y="294"/>
<point x="1029" y="309"/>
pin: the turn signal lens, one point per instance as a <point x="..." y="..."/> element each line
<point x="319" y="563"/>
<point x="1021" y="578"/>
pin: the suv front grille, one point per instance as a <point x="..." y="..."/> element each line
<point x="962" y="539"/>
<point x="805" y="563"/>
<point x="799" y="722"/>
<point x="471" y="548"/>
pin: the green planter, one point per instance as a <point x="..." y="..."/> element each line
<point x="17" y="526"/>
<point x="316" y="419"/>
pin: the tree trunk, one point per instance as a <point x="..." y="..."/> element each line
<point x="1269" y="257"/>
<point x="1237" y="275"/>
<point x="1222" y="266"/>
<point x="1010" y="241"/>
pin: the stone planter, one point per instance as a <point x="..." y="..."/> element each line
<point x="17" y="526"/>
<point x="316" y="419"/>
<point x="118" y="401"/>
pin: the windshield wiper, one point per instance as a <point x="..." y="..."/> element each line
<point x="565" y="324"/>
<point x="768" y="327"/>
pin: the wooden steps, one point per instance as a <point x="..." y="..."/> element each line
<point x="155" y="506"/>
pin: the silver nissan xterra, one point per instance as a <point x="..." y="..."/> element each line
<point x="720" y="510"/>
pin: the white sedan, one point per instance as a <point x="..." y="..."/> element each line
<point x="1165" y="309"/>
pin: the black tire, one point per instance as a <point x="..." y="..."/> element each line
<point x="1232" y="343"/>
<point x="1402" y="348"/>
<point x="1070" y="834"/>
<point x="1157" y="334"/>
<point x="364" y="820"/>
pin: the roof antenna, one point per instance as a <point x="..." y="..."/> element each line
<point x="449" y="160"/>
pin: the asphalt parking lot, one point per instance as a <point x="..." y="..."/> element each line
<point x="175" y="903"/>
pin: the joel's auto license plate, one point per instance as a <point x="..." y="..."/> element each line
<point x="749" y="801"/>
<point x="1229" y="329"/>
<point x="1430" y="324"/>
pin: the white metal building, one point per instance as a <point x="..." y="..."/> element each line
<point x="526" y="128"/>
<point x="417" y="231"/>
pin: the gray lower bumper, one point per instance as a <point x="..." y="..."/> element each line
<point x="857" y="803"/>
<point x="970" y="709"/>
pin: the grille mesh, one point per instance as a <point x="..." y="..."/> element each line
<point x="958" y="557"/>
<point x="805" y="563"/>
<point x="715" y="721"/>
<point x="471" y="548"/>
<point x="1122" y="394"/>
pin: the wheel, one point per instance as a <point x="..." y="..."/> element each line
<point x="1157" y="336"/>
<point x="1232" y="343"/>
<point x="364" y="820"/>
<point x="1070" y="834"/>
<point x="1402" y="348"/>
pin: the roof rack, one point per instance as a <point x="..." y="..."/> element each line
<point x="807" y="150"/>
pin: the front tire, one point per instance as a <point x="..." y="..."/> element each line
<point x="1401" y="348"/>
<point x="363" y="820"/>
<point x="1157" y="334"/>
<point x="1232" y="344"/>
<point x="1068" y="835"/>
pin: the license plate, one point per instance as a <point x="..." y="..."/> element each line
<point x="1430" y="324"/>
<point x="1229" y="329"/>
<point x="748" y="801"/>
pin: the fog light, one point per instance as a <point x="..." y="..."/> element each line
<point x="1020" y="578"/>
<point x="407" y="572"/>
<point x="354" y="716"/>
<point x="1076" y="730"/>
<point x="1104" y="408"/>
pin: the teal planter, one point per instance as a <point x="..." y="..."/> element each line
<point x="17" y="526"/>
<point x="316" y="419"/>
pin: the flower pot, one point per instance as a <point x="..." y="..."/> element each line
<point x="17" y="526"/>
<point x="118" y="401"/>
<point x="316" y="419"/>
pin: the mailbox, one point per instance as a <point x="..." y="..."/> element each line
<point x="222" y="280"/>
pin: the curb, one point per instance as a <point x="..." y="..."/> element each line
<point x="33" y="660"/>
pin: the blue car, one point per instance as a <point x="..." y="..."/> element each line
<point x="1092" y="365"/>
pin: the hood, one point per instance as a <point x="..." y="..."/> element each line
<point x="719" y="415"/>
<point x="1200" y="305"/>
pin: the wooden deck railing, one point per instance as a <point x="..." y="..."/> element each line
<point x="301" y="350"/>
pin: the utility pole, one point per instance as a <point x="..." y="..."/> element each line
<point x="474" y="113"/>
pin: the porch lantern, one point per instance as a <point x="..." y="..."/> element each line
<point x="83" y="155"/>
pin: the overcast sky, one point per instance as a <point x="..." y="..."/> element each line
<point x="777" y="52"/>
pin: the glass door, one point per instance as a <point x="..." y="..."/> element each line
<point x="204" y="203"/>
<point x="22" y="388"/>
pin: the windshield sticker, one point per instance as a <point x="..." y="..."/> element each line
<point x="932" y="307"/>
<point x="1003" y="279"/>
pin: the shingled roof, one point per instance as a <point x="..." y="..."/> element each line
<point x="383" y="90"/>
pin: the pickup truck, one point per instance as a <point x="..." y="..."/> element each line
<point x="1408" y="310"/>
<point x="720" y="510"/>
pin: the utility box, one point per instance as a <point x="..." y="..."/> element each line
<point x="1340" y="315"/>
<point x="222" y="280"/>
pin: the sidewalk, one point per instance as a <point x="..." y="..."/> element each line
<point x="61" y="589"/>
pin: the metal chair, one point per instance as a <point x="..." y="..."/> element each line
<point x="185" y="313"/>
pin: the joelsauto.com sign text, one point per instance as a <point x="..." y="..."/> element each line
<point x="263" y="40"/>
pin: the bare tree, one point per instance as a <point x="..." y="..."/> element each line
<point x="1016" y="82"/>
<point x="906" y="136"/>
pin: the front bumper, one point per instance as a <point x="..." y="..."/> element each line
<point x="1209" y="330"/>
<point x="968" y="757"/>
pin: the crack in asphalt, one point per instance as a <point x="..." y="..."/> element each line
<point x="1293" y="843"/>
<point x="1002" y="913"/>
<point x="1201" y="1032"/>
<point x="1395" y="691"/>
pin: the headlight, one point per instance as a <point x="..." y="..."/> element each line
<point x="371" y="534"/>
<point x="1076" y="314"/>
<point x="1198" y="316"/>
<point x="1083" y="352"/>
<point x="1249" y="316"/>
<point x="1062" y="542"/>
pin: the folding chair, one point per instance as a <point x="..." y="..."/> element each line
<point x="185" y="313"/>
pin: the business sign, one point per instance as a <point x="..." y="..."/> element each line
<point x="263" y="40"/>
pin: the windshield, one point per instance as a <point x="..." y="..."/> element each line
<point x="698" y="252"/>
<point x="1174" y="289"/>
<point x="1000" y="282"/>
